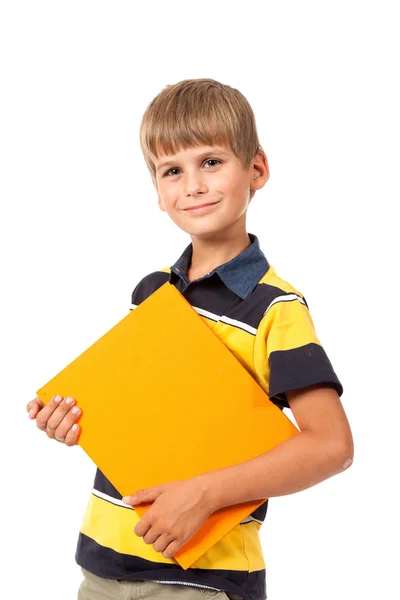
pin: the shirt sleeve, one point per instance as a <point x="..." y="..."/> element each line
<point x="288" y="353"/>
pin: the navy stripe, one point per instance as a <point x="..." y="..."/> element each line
<point x="212" y="295"/>
<point x="148" y="285"/>
<point x="105" y="562"/>
<point x="102" y="484"/>
<point x="300" y="367"/>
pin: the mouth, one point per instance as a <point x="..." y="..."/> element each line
<point x="200" y="207"/>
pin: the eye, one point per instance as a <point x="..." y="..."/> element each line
<point x="209" y="160"/>
<point x="215" y="160"/>
<point x="173" y="169"/>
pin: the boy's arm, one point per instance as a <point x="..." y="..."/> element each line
<point x="323" y="448"/>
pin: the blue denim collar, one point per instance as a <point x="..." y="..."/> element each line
<point x="241" y="274"/>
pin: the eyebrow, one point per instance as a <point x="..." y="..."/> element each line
<point x="202" y="155"/>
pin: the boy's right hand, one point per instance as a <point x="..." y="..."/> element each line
<point x="57" y="418"/>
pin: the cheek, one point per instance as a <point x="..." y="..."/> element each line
<point x="230" y="183"/>
<point x="236" y="190"/>
<point x="166" y="197"/>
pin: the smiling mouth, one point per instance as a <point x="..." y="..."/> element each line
<point x="200" y="206"/>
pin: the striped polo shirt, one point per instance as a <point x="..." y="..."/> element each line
<point x="265" y="322"/>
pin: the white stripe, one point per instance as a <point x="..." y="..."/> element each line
<point x="235" y="323"/>
<point x="206" y="313"/>
<point x="110" y="499"/>
<point x="287" y="298"/>
<point x="225" y="319"/>
<point x="133" y="306"/>
<point x="191" y="584"/>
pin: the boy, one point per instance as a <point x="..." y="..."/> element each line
<point x="200" y="144"/>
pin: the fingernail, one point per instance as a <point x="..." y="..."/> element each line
<point x="69" y="400"/>
<point x="57" y="399"/>
<point x="30" y="413"/>
<point x="74" y="427"/>
<point x="75" y="410"/>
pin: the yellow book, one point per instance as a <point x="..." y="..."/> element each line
<point x="163" y="398"/>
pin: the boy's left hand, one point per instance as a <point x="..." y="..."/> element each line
<point x="179" y="510"/>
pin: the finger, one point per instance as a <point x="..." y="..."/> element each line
<point x="172" y="549"/>
<point x="72" y="437"/>
<point x="33" y="407"/>
<point x="143" y="526"/>
<point x="57" y="416"/>
<point x="151" y="536"/>
<point x="44" y="413"/>
<point x="67" y="423"/>
<point x="164" y="544"/>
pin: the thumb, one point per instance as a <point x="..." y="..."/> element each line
<point x="34" y="406"/>
<point x="145" y="495"/>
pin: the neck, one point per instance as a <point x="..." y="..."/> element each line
<point x="208" y="253"/>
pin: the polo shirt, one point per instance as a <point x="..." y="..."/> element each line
<point x="265" y="322"/>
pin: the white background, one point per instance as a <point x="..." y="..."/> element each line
<point x="80" y="225"/>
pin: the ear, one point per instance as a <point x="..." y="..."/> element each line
<point x="259" y="170"/>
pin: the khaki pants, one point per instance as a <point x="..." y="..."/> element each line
<point x="98" y="588"/>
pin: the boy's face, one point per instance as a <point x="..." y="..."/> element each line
<point x="212" y="176"/>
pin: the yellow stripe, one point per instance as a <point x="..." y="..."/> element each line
<point x="112" y="526"/>
<point x="252" y="546"/>
<point x="285" y="326"/>
<point x="271" y="278"/>
<point x="239" y="342"/>
<point x="288" y="325"/>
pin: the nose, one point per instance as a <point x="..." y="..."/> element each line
<point x="194" y="184"/>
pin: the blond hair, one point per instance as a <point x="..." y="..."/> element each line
<point x="193" y="112"/>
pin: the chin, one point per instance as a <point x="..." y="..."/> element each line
<point x="204" y="227"/>
<point x="205" y="232"/>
